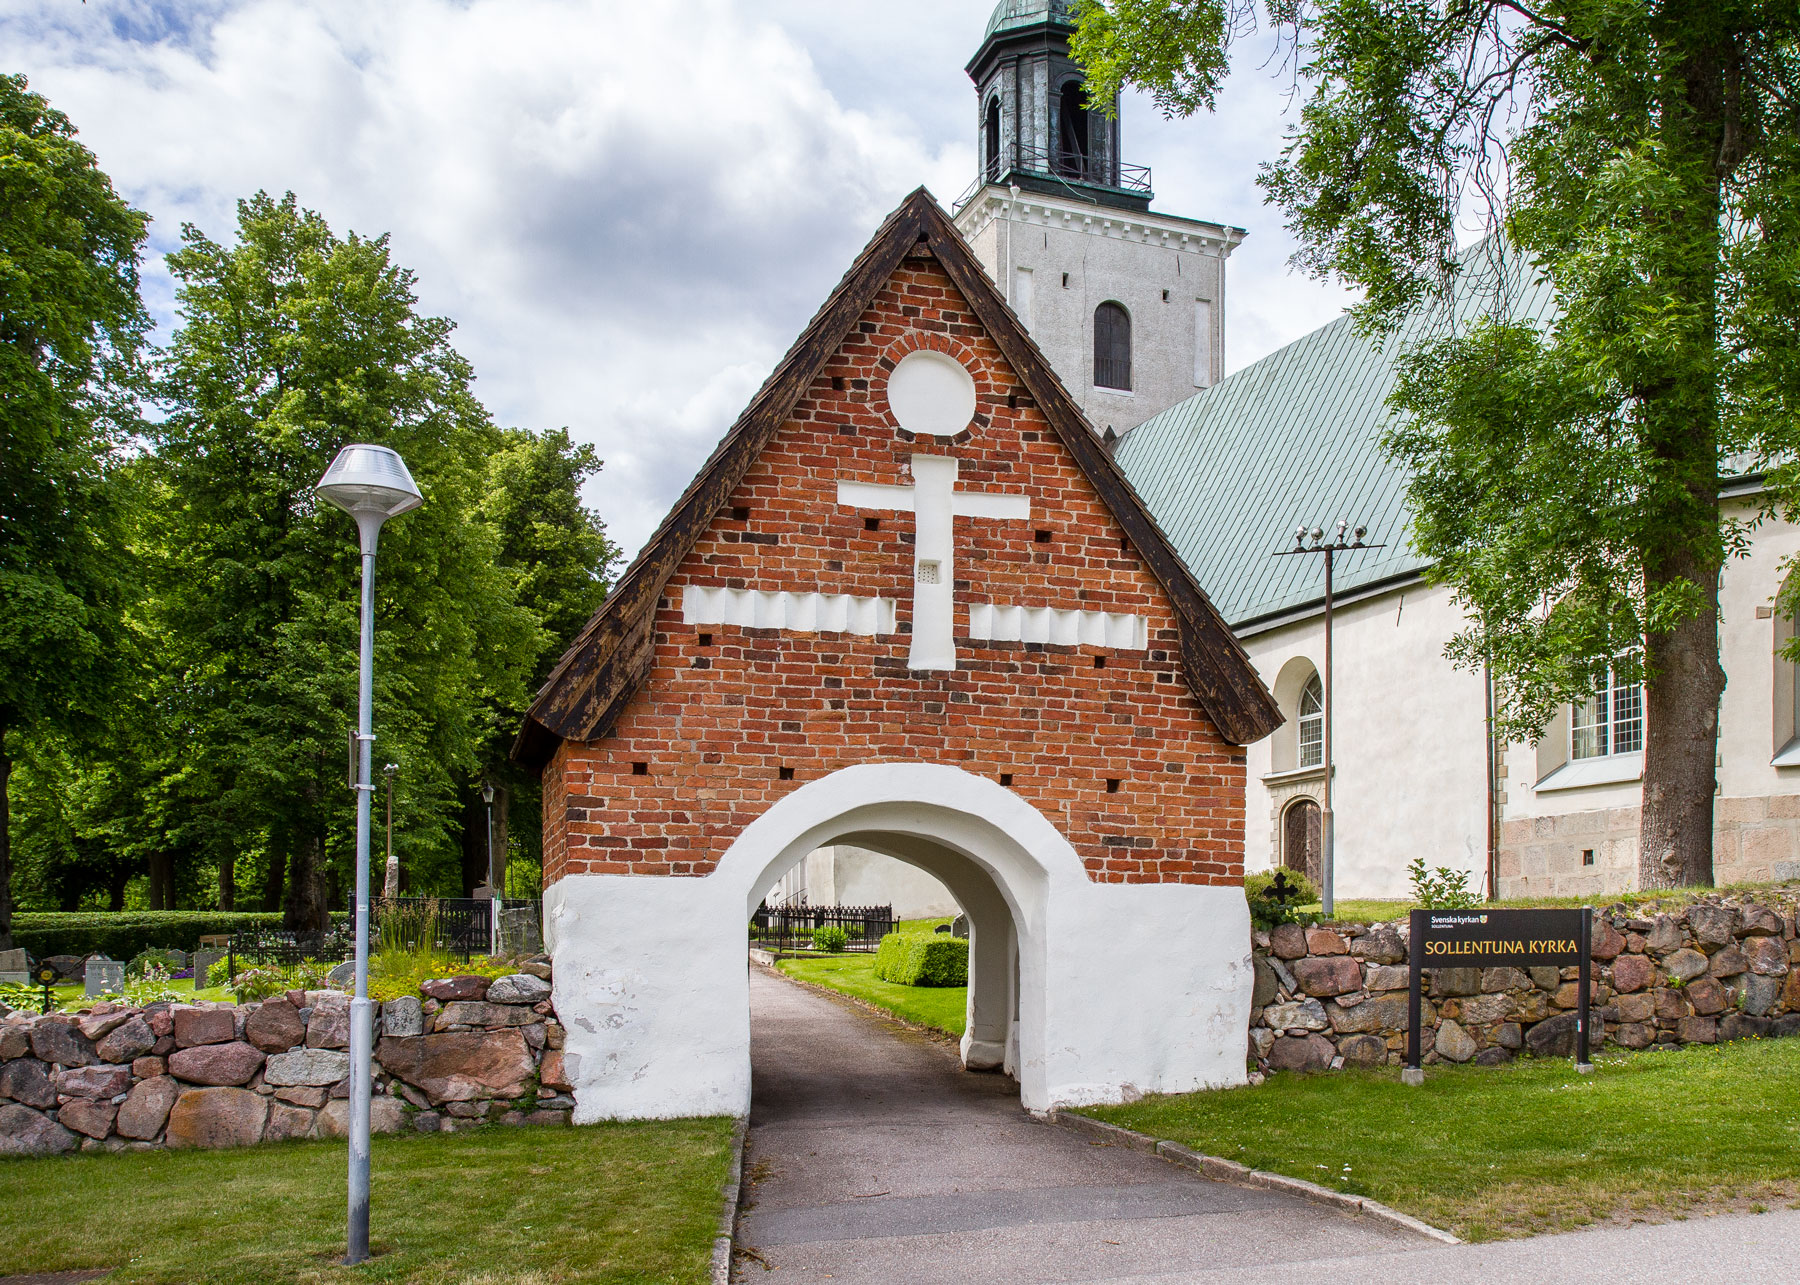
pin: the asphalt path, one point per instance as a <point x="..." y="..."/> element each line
<point x="873" y="1156"/>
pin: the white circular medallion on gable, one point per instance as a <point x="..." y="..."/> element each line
<point x="931" y="394"/>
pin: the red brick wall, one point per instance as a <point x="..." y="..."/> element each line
<point x="716" y="725"/>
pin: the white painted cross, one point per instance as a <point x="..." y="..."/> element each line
<point x="935" y="504"/>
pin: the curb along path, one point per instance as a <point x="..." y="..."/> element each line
<point x="872" y="1155"/>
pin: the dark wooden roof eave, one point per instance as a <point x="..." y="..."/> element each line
<point x="610" y="659"/>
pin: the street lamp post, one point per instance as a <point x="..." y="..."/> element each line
<point x="371" y="484"/>
<point x="496" y="880"/>
<point x="390" y="879"/>
<point x="1314" y="541"/>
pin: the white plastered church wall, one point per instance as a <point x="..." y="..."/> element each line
<point x="1409" y="742"/>
<point x="1123" y="989"/>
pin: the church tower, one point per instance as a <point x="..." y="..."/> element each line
<point x="1128" y="304"/>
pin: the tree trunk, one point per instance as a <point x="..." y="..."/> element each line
<point x="1682" y="542"/>
<point x="305" y="909"/>
<point x="162" y="880"/>
<point x="5" y="844"/>
<point x="115" y="888"/>
<point x="228" y="883"/>
<point x="1681" y="745"/>
<point x="275" y="880"/>
<point x="474" y="842"/>
<point x="502" y="796"/>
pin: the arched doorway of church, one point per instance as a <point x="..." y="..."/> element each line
<point x="1302" y="839"/>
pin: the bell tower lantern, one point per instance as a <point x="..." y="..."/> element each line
<point x="1036" y="130"/>
<point x="1128" y="303"/>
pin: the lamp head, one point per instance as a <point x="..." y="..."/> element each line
<point x="487" y="791"/>
<point x="370" y="483"/>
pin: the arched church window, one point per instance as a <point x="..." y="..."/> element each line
<point x="1302" y="839"/>
<point x="1112" y="346"/>
<point x="1312" y="723"/>
<point x="991" y="140"/>
<point x="1073" y="146"/>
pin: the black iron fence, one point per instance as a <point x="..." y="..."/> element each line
<point x="460" y="927"/>
<point x="791" y="926"/>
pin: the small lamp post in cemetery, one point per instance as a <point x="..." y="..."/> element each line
<point x="496" y="881"/>
<point x="390" y="880"/>
<point x="1313" y="541"/>
<point x="371" y="484"/>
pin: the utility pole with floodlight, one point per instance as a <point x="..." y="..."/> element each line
<point x="1330" y="548"/>
<point x="371" y="484"/>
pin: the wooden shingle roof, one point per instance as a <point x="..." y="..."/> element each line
<point x="611" y="658"/>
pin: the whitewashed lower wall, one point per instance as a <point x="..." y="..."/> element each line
<point x="1123" y="989"/>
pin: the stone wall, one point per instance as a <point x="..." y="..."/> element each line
<point x="1711" y="971"/>
<point x="467" y="1051"/>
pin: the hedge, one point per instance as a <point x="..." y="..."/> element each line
<point x="122" y="934"/>
<point x="923" y="959"/>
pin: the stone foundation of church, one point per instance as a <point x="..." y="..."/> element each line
<point x="1755" y="840"/>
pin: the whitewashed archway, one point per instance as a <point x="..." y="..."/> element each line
<point x="1122" y="988"/>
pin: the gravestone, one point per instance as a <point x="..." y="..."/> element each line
<point x="519" y="933"/>
<point x="13" y="967"/>
<point x="104" y="976"/>
<point x="959" y="927"/>
<point x="203" y="960"/>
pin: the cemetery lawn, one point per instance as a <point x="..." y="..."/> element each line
<point x="504" y="1206"/>
<point x="942" y="1007"/>
<point x="1490" y="1153"/>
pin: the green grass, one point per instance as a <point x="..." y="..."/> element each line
<point x="1533" y="1147"/>
<point x="609" y="1203"/>
<point x="1365" y="911"/>
<point x="941" y="1007"/>
<point x="924" y="925"/>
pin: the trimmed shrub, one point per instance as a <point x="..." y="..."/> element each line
<point x="923" y="959"/>
<point x="124" y="934"/>
<point x="830" y="939"/>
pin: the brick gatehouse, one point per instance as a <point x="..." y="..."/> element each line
<point x="909" y="603"/>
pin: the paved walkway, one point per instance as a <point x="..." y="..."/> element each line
<point x="873" y="1156"/>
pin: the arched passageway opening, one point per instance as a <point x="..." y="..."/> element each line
<point x="990" y="1035"/>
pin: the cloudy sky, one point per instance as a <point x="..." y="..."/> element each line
<point x="629" y="208"/>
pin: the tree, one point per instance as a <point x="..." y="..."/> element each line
<point x="71" y="331"/>
<point x="292" y="343"/>
<point x="1646" y="157"/>
<point x="560" y="559"/>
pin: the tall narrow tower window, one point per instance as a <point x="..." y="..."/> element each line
<point x="1112" y="346"/>
<point x="1073" y="149"/>
<point x="990" y="138"/>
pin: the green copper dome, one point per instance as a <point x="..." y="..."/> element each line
<point x="1009" y="14"/>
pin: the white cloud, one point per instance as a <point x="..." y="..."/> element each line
<point x="629" y="209"/>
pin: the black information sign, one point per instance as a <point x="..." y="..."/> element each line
<point x="1494" y="939"/>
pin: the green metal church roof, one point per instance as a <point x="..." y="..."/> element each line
<point x="1296" y="438"/>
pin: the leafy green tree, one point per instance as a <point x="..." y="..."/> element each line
<point x="292" y="343"/>
<point x="71" y="331"/>
<point x="560" y="559"/>
<point x="1646" y="157"/>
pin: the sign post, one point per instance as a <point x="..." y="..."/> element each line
<point x="1495" y="939"/>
